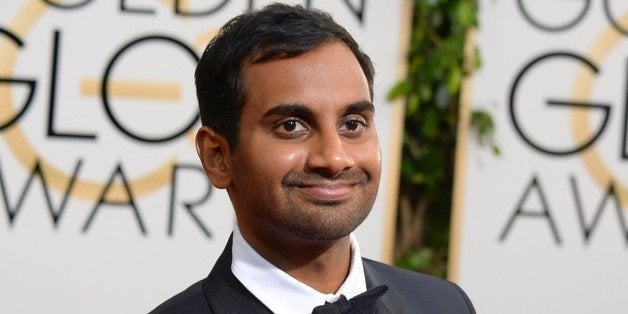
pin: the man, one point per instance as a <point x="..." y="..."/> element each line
<point x="285" y="97"/>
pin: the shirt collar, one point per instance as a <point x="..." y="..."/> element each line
<point x="282" y="293"/>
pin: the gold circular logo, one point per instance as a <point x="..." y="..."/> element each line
<point x="581" y="128"/>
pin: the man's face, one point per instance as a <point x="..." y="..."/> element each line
<point x="308" y="160"/>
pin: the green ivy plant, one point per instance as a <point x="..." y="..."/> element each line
<point x="431" y="91"/>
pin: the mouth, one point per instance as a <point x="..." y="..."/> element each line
<point x="321" y="190"/>
<point x="326" y="192"/>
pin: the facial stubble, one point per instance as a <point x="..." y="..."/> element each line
<point x="317" y="220"/>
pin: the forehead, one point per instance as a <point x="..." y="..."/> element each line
<point x="324" y="78"/>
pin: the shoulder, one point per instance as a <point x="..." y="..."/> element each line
<point x="420" y="290"/>
<point x="404" y="276"/>
<point x="190" y="300"/>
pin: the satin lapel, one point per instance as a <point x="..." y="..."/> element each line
<point x="391" y="301"/>
<point x="225" y="293"/>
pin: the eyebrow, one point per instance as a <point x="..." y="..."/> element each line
<point x="360" y="106"/>
<point x="302" y="111"/>
<point x="296" y="110"/>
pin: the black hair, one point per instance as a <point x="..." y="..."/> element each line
<point x="276" y="31"/>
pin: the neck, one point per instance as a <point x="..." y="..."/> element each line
<point x="322" y="265"/>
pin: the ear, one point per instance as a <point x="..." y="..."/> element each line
<point x="213" y="150"/>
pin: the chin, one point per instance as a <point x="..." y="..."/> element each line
<point x="321" y="229"/>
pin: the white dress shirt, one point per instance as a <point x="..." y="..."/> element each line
<point x="282" y="293"/>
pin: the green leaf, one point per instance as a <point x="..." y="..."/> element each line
<point x="400" y="89"/>
<point x="430" y="124"/>
<point x="425" y="92"/>
<point x="413" y="105"/>
<point x="465" y="13"/>
<point x="454" y="79"/>
<point x="496" y="150"/>
<point x="417" y="178"/>
<point x="417" y="259"/>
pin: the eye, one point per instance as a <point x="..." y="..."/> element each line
<point x="353" y="125"/>
<point x="290" y="128"/>
<point x="290" y="125"/>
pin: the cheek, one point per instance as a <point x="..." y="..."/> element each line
<point x="369" y="157"/>
<point x="291" y="156"/>
<point x="277" y="160"/>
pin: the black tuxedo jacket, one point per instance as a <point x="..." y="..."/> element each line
<point x="409" y="292"/>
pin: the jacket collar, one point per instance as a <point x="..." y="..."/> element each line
<point x="226" y="294"/>
<point x="391" y="301"/>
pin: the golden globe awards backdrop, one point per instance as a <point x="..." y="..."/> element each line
<point x="104" y="207"/>
<point x="543" y="227"/>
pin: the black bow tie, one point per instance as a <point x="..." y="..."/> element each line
<point x="361" y="303"/>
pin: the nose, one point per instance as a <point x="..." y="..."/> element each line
<point x="329" y="154"/>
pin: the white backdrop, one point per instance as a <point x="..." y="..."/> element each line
<point x="544" y="226"/>
<point x="103" y="206"/>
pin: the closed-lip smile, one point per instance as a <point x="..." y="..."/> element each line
<point x="327" y="192"/>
